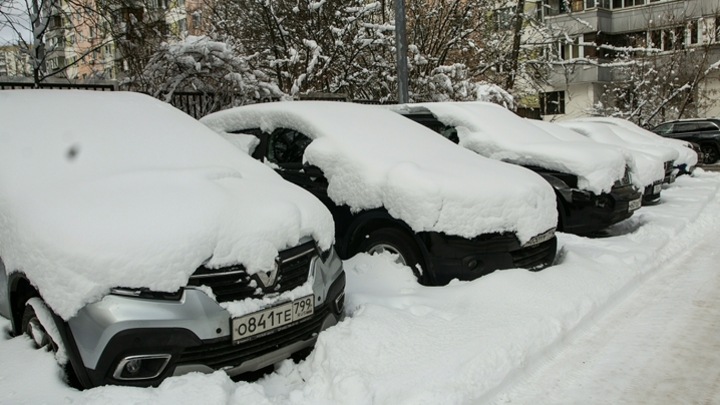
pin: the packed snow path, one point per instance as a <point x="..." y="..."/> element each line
<point x="661" y="345"/>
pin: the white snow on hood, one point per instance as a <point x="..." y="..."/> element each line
<point x="103" y="190"/>
<point x="497" y="133"/>
<point x="687" y="156"/>
<point x="375" y="158"/>
<point x="648" y="168"/>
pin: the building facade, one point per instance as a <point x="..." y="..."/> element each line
<point x="605" y="42"/>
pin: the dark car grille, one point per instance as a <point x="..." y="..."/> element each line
<point x="536" y="256"/>
<point x="225" y="354"/>
<point x="233" y="283"/>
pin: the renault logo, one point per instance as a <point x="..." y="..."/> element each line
<point x="267" y="278"/>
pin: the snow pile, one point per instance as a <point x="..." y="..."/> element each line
<point x="375" y="158"/>
<point x="137" y="195"/>
<point x="687" y="156"/>
<point x="403" y="343"/>
<point x="497" y="133"/>
<point x="648" y="168"/>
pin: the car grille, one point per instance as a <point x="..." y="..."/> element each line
<point x="233" y="283"/>
<point x="536" y="256"/>
<point x="225" y="354"/>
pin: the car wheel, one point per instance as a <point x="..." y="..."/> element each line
<point x="711" y="154"/>
<point x="32" y="327"/>
<point x="396" y="242"/>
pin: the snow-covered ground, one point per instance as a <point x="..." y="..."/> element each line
<point x="484" y="341"/>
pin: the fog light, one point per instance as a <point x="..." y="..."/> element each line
<point x="133" y="366"/>
<point x="142" y="367"/>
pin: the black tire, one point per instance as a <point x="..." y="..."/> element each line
<point x="710" y="153"/>
<point x="399" y="242"/>
<point x="32" y="327"/>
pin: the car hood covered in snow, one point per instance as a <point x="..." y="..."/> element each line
<point x="133" y="193"/>
<point x="649" y="168"/>
<point x="375" y="158"/>
<point x="497" y="133"/>
<point x="634" y="132"/>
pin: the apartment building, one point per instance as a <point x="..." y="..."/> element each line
<point x="13" y="61"/>
<point x="592" y="32"/>
<point x="81" y="42"/>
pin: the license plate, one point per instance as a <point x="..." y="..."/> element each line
<point x="634" y="205"/>
<point x="270" y="319"/>
<point x="657" y="188"/>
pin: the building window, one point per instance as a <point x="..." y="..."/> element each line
<point x="694" y="31"/>
<point x="552" y="103"/>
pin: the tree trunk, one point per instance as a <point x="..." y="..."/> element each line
<point x="515" y="53"/>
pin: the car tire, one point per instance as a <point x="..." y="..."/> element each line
<point x="32" y="327"/>
<point x="398" y="242"/>
<point x="710" y="153"/>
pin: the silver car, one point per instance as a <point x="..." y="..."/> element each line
<point x="131" y="251"/>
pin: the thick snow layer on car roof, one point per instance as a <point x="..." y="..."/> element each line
<point x="375" y="158"/>
<point x="687" y="156"/>
<point x="133" y="193"/>
<point x="649" y="146"/>
<point x="567" y="134"/>
<point x="648" y="168"/>
<point x="497" y="133"/>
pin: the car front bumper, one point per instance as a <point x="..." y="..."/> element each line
<point x="453" y="257"/>
<point x="189" y="334"/>
<point x="585" y="212"/>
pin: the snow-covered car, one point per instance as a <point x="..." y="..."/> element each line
<point x="591" y="182"/>
<point x="683" y="163"/>
<point x="393" y="185"/>
<point x="140" y="245"/>
<point x="649" y="171"/>
<point x="704" y="132"/>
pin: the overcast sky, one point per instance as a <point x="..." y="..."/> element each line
<point x="7" y="35"/>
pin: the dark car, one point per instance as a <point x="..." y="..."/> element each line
<point x="702" y="131"/>
<point x="580" y="212"/>
<point x="435" y="257"/>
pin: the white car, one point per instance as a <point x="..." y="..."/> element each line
<point x="138" y="244"/>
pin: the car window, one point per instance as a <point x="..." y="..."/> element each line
<point x="287" y="147"/>
<point x="707" y="126"/>
<point x="663" y="129"/>
<point x="685" y="127"/>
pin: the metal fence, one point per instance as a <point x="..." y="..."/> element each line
<point x="57" y="86"/>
